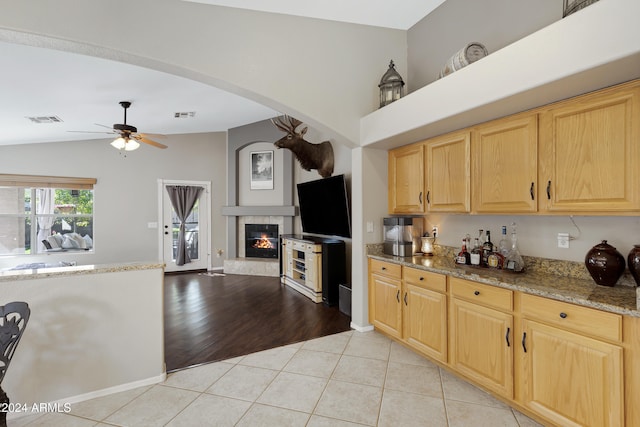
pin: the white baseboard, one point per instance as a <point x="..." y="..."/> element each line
<point x="367" y="328"/>
<point x="94" y="394"/>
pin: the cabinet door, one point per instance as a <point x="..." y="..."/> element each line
<point x="406" y="179"/>
<point x="505" y="165"/>
<point x="480" y="346"/>
<point x="570" y="379"/>
<point x="448" y="173"/>
<point x="425" y="321"/>
<point x="589" y="153"/>
<point x="385" y="311"/>
<point x="313" y="270"/>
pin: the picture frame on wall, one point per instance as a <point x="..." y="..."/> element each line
<point x="262" y="170"/>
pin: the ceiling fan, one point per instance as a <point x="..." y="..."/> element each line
<point x="128" y="136"/>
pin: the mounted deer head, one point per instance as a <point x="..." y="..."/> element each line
<point x="310" y="156"/>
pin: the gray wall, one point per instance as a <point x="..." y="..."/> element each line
<point x="496" y="24"/>
<point x="127" y="189"/>
<point x="455" y="23"/>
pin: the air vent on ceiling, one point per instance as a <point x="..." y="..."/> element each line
<point x="45" y="119"/>
<point x="184" y="115"/>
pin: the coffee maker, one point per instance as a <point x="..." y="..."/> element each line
<point x="402" y="235"/>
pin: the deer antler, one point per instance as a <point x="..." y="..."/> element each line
<point x="289" y="127"/>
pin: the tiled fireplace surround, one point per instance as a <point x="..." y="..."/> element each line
<point x="253" y="266"/>
<point x="280" y="212"/>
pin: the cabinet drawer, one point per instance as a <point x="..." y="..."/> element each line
<point x="425" y="279"/>
<point x="388" y="269"/>
<point x="585" y="320"/>
<point x="487" y="295"/>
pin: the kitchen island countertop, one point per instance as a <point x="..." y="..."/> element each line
<point x="41" y="273"/>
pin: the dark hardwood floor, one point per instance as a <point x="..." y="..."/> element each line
<point x="211" y="318"/>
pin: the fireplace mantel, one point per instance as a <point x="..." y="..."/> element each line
<point x="259" y="210"/>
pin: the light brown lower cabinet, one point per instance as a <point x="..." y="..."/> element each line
<point x="572" y="375"/>
<point x="564" y="364"/>
<point x="481" y="334"/>
<point x="385" y="310"/>
<point x="425" y="312"/>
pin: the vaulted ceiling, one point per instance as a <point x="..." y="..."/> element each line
<point x="70" y="92"/>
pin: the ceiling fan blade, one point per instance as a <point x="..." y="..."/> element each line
<point x="149" y="141"/>
<point x="152" y="135"/>
<point x="104" y="126"/>
<point x="90" y="131"/>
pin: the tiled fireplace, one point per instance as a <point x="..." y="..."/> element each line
<point x="258" y="246"/>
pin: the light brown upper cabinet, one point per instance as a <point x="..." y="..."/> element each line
<point x="448" y="172"/>
<point x="505" y="166"/>
<point x="590" y="153"/>
<point x="406" y="179"/>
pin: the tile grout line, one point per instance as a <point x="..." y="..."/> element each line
<point x="315" y="407"/>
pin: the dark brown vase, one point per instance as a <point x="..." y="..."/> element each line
<point x="633" y="261"/>
<point x="605" y="264"/>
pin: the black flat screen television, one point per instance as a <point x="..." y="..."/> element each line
<point x="324" y="207"/>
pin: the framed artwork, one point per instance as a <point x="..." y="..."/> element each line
<point x="262" y="170"/>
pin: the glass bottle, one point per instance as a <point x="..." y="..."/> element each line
<point x="504" y="246"/>
<point x="514" y="261"/>
<point x="464" y="257"/>
<point x="476" y="252"/>
<point x="495" y="260"/>
<point x="487" y="248"/>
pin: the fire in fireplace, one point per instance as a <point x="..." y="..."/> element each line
<point x="261" y="240"/>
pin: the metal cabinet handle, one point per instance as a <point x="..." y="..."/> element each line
<point x="384" y="268"/>
<point x="476" y="293"/>
<point x="428" y="198"/>
<point x="398" y="295"/>
<point x="420" y="197"/>
<point x="421" y="278"/>
<point x="563" y="315"/>
<point x="549" y="190"/>
<point x="524" y="341"/>
<point x="405" y="299"/>
<point x="531" y="192"/>
<point x="507" y="337"/>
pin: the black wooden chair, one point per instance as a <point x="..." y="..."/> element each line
<point x="13" y="320"/>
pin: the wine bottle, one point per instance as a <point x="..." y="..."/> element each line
<point x="464" y="257"/>
<point x="487" y="248"/>
<point x="476" y="252"/>
<point x="504" y="246"/>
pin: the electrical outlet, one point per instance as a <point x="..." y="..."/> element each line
<point x="435" y="230"/>
<point x="563" y="240"/>
<point x="370" y="227"/>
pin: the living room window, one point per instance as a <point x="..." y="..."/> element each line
<point x="40" y="214"/>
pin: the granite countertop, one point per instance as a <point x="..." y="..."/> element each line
<point x="41" y="273"/>
<point x="622" y="299"/>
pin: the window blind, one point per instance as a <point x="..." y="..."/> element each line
<point x="37" y="181"/>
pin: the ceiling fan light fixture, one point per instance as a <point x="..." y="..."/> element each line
<point x="119" y="143"/>
<point x="128" y="144"/>
<point x="131" y="144"/>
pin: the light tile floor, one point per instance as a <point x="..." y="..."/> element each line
<point x="347" y="379"/>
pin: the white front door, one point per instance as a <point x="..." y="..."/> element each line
<point x="197" y="228"/>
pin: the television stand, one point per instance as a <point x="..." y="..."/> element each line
<point x="313" y="266"/>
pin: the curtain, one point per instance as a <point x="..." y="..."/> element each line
<point x="45" y="206"/>
<point x="183" y="198"/>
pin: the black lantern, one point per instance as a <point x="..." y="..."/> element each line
<point x="390" y="86"/>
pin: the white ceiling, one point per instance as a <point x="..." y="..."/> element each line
<point x="399" y="14"/>
<point x="85" y="91"/>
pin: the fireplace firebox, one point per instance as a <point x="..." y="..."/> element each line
<point x="261" y="240"/>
